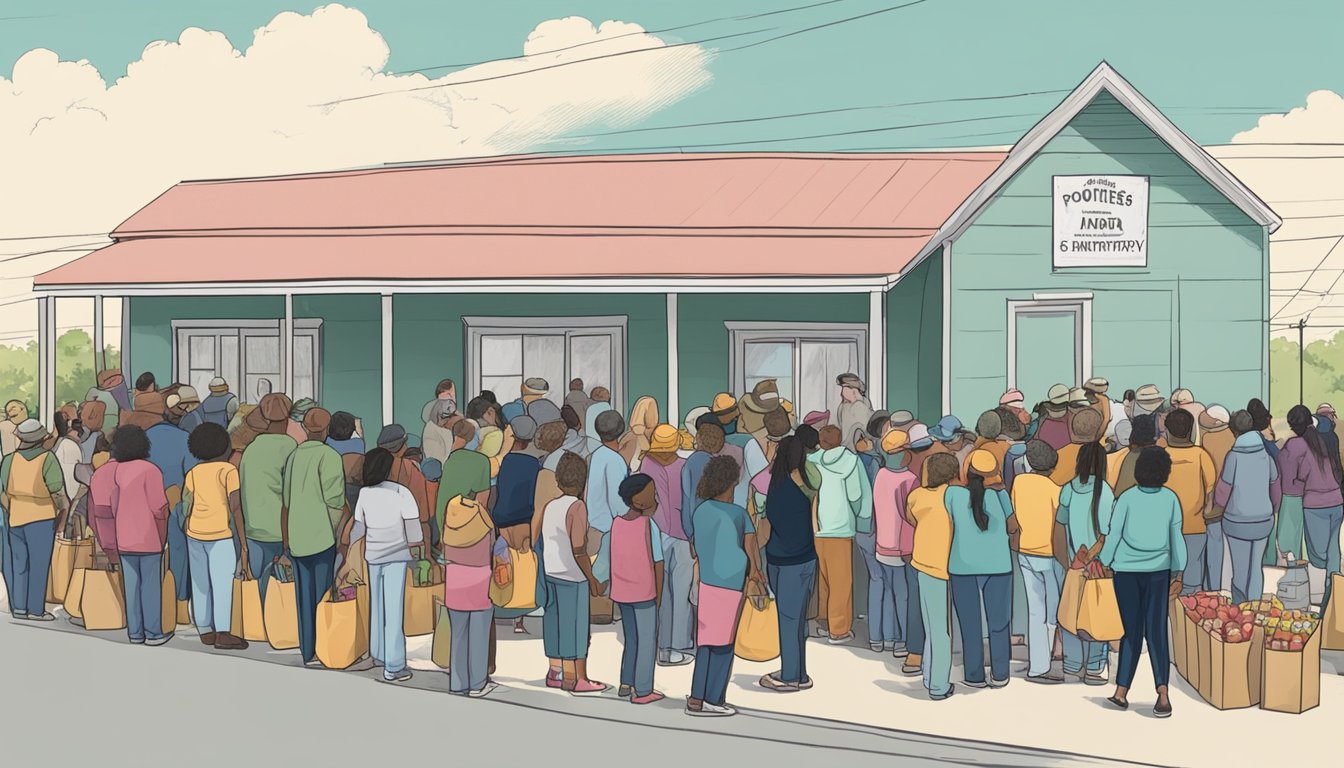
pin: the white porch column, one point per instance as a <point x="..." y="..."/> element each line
<point x="877" y="348"/>
<point x="126" y="340"/>
<point x="673" y="415"/>
<point x="99" y="358"/>
<point x="287" y="346"/>
<point x="388" y="416"/>
<point x="46" y="352"/>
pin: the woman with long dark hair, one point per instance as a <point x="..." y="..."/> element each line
<point x="927" y="512"/>
<point x="1312" y="504"/>
<point x="1083" y="520"/>
<point x="791" y="561"/>
<point x="980" y="569"/>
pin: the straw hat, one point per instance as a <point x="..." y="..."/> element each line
<point x="763" y="398"/>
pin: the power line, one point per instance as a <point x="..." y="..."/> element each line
<point x="63" y="249"/>
<point x="1308" y="278"/>
<point x="827" y="25"/>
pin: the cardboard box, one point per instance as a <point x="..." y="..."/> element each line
<point x="1332" y="623"/>
<point x="1192" y="634"/>
<point x="1175" y="619"/>
<point x="1291" y="680"/>
<point x="1229" y="673"/>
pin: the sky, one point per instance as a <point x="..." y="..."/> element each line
<point x="105" y="103"/>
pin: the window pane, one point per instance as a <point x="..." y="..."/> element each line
<point x="303" y="367"/>
<point x="202" y="351"/>
<point x="262" y="355"/>
<point x="590" y="360"/>
<point x="770" y="360"/>
<point x="228" y="361"/>
<point x="500" y="356"/>
<point x="505" y="387"/>
<point x="544" y="358"/>
<point x="821" y="363"/>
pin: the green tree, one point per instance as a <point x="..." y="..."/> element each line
<point x="75" y="372"/>
<point x="1322" y="373"/>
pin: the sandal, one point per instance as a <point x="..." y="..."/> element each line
<point x="1120" y="704"/>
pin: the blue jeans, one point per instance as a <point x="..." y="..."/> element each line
<point x="30" y="548"/>
<point x="713" y="667"/>
<point x="676" y="615"/>
<point x="992" y="594"/>
<point x="639" y="623"/>
<point x="1203" y="560"/>
<point x="1080" y="653"/>
<point x="1044" y="580"/>
<point x="884" y="621"/>
<point x="1322" y="529"/>
<point x="387" y="634"/>
<point x="312" y="579"/>
<point x="7" y="559"/>
<point x="179" y="559"/>
<point x="469" y="651"/>
<point x="793" y="586"/>
<point x="259" y="555"/>
<point x="1248" y="572"/>
<point x="1143" y="612"/>
<point x="565" y="620"/>
<point x="212" y="567"/>
<point x="937" y="639"/>
<point x="142" y="583"/>
<point x="914" y="617"/>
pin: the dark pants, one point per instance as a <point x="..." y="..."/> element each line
<point x="30" y="548"/>
<point x="713" y="667"/>
<point x="142" y="584"/>
<point x="793" y="586"/>
<point x="914" y="620"/>
<point x="179" y="561"/>
<point x="259" y="555"/>
<point x="312" y="578"/>
<point x="639" y="626"/>
<point x="1143" y="612"/>
<point x="994" y="595"/>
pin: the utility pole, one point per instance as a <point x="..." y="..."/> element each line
<point x="1301" y="361"/>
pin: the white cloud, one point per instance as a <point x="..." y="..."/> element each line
<point x="80" y="155"/>
<point x="1320" y="121"/>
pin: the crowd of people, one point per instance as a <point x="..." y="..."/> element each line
<point x="567" y="507"/>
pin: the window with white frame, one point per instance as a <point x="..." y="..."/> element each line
<point x="804" y="359"/>
<point x="502" y="352"/>
<point x="246" y="354"/>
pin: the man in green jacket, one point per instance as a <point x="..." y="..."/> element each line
<point x="844" y="507"/>
<point x="261" y="475"/>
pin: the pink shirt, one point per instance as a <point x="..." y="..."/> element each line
<point x="466" y="577"/>
<point x="130" y="509"/>
<point x="632" y="574"/>
<point x="895" y="535"/>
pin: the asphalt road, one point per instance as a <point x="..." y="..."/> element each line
<point x="69" y="697"/>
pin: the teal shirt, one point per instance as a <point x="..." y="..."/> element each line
<point x="1145" y="532"/>
<point x="719" y="532"/>
<point x="1075" y="512"/>
<point x="976" y="552"/>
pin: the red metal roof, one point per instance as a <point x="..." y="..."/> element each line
<point x="615" y="215"/>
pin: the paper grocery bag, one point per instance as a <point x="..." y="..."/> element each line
<point x="1099" y="611"/>
<point x="280" y="615"/>
<point x="1332" y="624"/>
<point x="74" y="593"/>
<point x="1071" y="600"/>
<point x="524" y="568"/>
<point x="168" y="603"/>
<point x="1176" y="615"/>
<point x="182" y="612"/>
<point x="67" y="556"/>
<point x="1230" y="672"/>
<point x="757" y="630"/>
<point x="246" y="617"/>
<point x="418" y="610"/>
<point x="342" y="637"/>
<point x="102" y="601"/>
<point x="443" y="636"/>
<point x="1291" y="680"/>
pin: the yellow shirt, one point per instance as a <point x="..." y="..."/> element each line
<point x="1067" y="467"/>
<point x="1113" y="462"/>
<point x="933" y="531"/>
<point x="1035" y="502"/>
<point x="1192" y="480"/>
<point x="210" y="485"/>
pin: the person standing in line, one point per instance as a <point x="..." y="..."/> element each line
<point x="709" y="443"/>
<point x="130" y="510"/>
<point x="1264" y="424"/>
<point x="1215" y="437"/>
<point x="516" y="487"/>
<point x="1084" y="518"/>
<point x="1192" y="479"/>
<point x="844" y="505"/>
<point x="1053" y="425"/>
<point x="407" y="474"/>
<point x="989" y="429"/>
<point x="445" y="390"/>
<point x="885" y="619"/>
<point x="676" y="614"/>
<point x="927" y="512"/>
<point x="1096" y="389"/>
<point x="1147" y="552"/>
<point x="606" y="469"/>
<point x="562" y="531"/>
<point x="574" y="441"/>
<point x="342" y="437"/>
<point x="854" y="410"/>
<point x="313" y="522"/>
<point x="1143" y="434"/>
<point x="577" y="399"/>
<point x="980" y="570"/>
<point x="387" y="518"/>
<point x="1248" y="496"/>
<point x="466" y="473"/>
<point x="894" y="546"/>
<point x="1035" y="502"/>
<point x="214" y="511"/>
<point x="168" y="451"/>
<point x="725" y="544"/>
<point x="631" y="561"/>
<point x="791" y="562"/>
<point x="1311" y="475"/>
<point x="33" y="496"/>
<point x="1083" y="429"/>
<point x="220" y="406"/>
<point x="261" y="474"/>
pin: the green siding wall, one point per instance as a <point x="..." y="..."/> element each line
<point x="1193" y="317"/>
<point x="915" y="341"/>
<point x="152" y="325"/>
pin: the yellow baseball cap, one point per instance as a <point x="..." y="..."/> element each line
<point x="983" y="462"/>
<point x="894" y="441"/>
<point x="723" y="401"/>
<point x="664" y="439"/>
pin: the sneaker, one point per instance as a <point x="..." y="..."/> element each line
<point x="314" y="664"/>
<point x="137" y="641"/>
<point x="625" y="692"/>
<point x="876" y="647"/>
<point x="1049" y="678"/>
<point x="647" y="698"/>
<point x="588" y="688"/>
<point x="998" y="683"/>
<point x="40" y="617"/>
<point x="488" y="689"/>
<point x="228" y="642"/>
<point x="772" y="683"/>
<point x="675" y="659"/>
<point x="1096" y="678"/>
<point x="841" y="640"/>
<point x="397" y="677"/>
<point x="889" y="646"/>
<point x="208" y="638"/>
<point x="951" y="689"/>
<point x="975" y="683"/>
<point x="157" y="641"/>
<point x="554" y="681"/>
<point x="363" y="665"/>
<point x="900" y="652"/>
<point x="710" y="710"/>
<point x="806" y="685"/>
<point x="911" y="670"/>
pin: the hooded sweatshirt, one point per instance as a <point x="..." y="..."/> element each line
<point x="1303" y="475"/>
<point x="845" y="503"/>
<point x="1248" y="489"/>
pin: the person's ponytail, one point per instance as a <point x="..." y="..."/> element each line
<point x="976" y="485"/>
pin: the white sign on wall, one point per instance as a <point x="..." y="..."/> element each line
<point x="1100" y="221"/>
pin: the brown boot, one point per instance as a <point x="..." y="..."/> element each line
<point x="209" y="638"/>
<point x="227" y="642"/>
